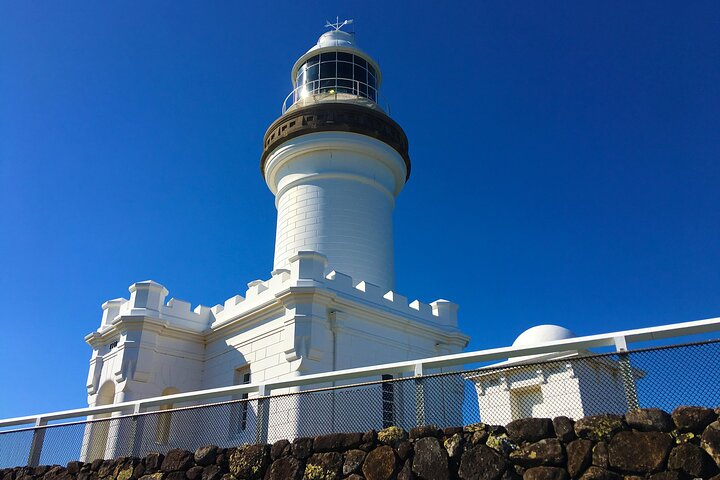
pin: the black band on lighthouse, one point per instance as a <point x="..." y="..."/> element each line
<point x="329" y="117"/>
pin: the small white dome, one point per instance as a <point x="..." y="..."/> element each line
<point x="542" y="334"/>
<point x="336" y="38"/>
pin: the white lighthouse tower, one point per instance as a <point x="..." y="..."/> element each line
<point x="336" y="162"/>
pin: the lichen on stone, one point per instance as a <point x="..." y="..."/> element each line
<point x="452" y="445"/>
<point x="125" y="474"/>
<point x="474" y="427"/>
<point x="682" y="437"/>
<point x="316" y="472"/>
<point x="500" y="443"/>
<point x="391" y="434"/>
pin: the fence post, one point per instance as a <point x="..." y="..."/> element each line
<point x="138" y="430"/>
<point x="419" y="395"/>
<point x="37" y="442"/>
<point x="263" y="415"/>
<point x="626" y="372"/>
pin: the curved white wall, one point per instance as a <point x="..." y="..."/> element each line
<point x="335" y="194"/>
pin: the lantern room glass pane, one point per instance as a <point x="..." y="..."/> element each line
<point x="345" y="57"/>
<point x="328" y="56"/>
<point x="313" y="60"/>
<point x="327" y="70"/>
<point x="346" y="86"/>
<point x="360" y="74"/>
<point x="312" y="73"/>
<point x="345" y="70"/>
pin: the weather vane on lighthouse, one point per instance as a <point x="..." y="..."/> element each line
<point x="337" y="25"/>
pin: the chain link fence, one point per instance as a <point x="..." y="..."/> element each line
<point x="573" y="384"/>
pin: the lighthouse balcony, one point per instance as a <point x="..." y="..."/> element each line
<point x="335" y="90"/>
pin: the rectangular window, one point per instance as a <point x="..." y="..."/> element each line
<point x="240" y="410"/>
<point x="388" y="402"/>
<point x="526" y="402"/>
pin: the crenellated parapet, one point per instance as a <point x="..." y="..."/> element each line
<point x="147" y="299"/>
<point x="310" y="270"/>
<point x="307" y="270"/>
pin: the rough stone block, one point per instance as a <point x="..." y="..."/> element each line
<point x="579" y="456"/>
<point x="379" y="464"/>
<point x="599" y="427"/>
<point x="431" y="460"/>
<point x="548" y="452"/>
<point x="530" y="430"/>
<point x="545" y="473"/>
<point x="693" y="419"/>
<point x="249" y="461"/>
<point x="324" y="466"/>
<point x="710" y="441"/>
<point x="286" y="468"/>
<point x="649" y="420"/>
<point x="481" y="463"/>
<point x="177" y="459"/>
<point x="640" y="452"/>
<point x="691" y="460"/>
<point x="564" y="429"/>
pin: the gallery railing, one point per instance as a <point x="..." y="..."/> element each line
<point x="335" y="90"/>
<point x="561" y="378"/>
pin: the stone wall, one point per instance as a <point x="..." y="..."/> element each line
<point x="644" y="444"/>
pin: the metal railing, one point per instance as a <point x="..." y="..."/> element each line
<point x="335" y="89"/>
<point x="557" y="378"/>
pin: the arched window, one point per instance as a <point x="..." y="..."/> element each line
<point x="99" y="430"/>
<point x="164" y="420"/>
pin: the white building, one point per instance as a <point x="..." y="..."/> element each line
<point x="335" y="162"/>
<point x="520" y="387"/>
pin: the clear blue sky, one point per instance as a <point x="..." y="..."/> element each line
<point x="566" y="162"/>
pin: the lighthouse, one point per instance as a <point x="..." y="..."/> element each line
<point x="336" y="161"/>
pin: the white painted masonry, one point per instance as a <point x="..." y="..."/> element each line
<point x="517" y="389"/>
<point x="335" y="194"/>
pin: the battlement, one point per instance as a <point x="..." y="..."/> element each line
<point x="147" y="298"/>
<point x="307" y="269"/>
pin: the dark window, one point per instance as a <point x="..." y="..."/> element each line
<point x="360" y="61"/>
<point x="345" y="70"/>
<point x="388" y="402"/>
<point x="360" y="74"/>
<point x="371" y="81"/>
<point x="328" y="56"/>
<point x="240" y="410"/>
<point x="327" y="70"/>
<point x="346" y="86"/>
<point x="313" y="60"/>
<point x="371" y="70"/>
<point x="312" y="73"/>
<point x="345" y="57"/>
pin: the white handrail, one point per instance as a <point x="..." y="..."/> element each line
<point x="317" y="93"/>
<point x="619" y="340"/>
